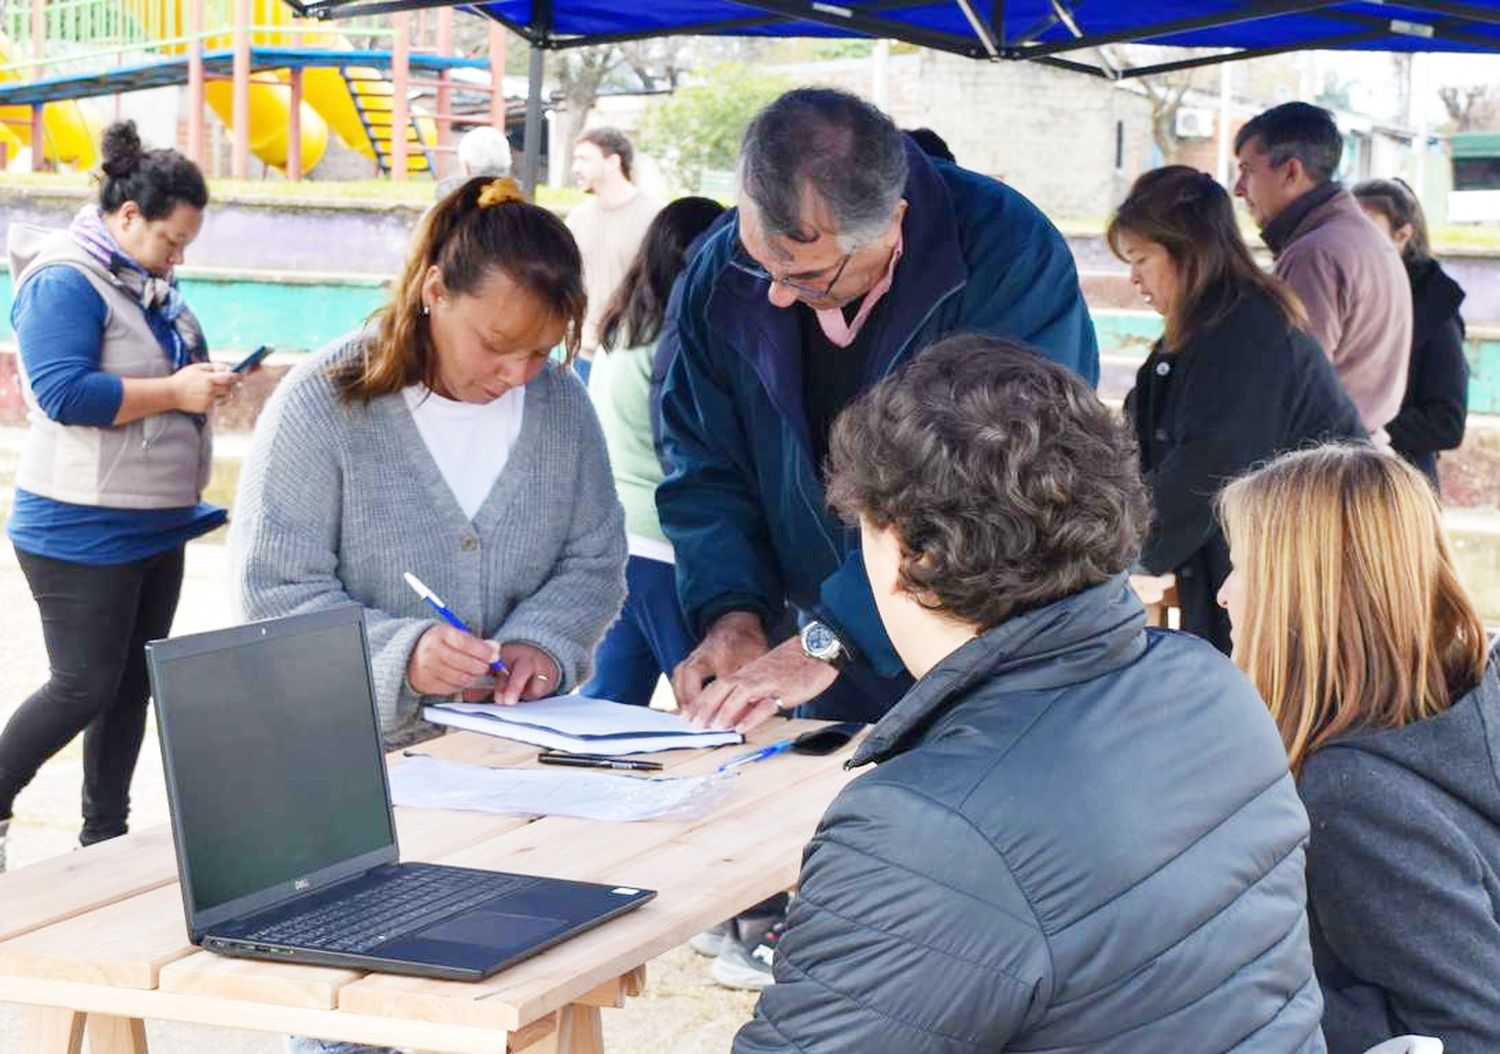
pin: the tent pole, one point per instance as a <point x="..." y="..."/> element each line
<point x="532" y="144"/>
<point x="1418" y="89"/>
<point x="1223" y="140"/>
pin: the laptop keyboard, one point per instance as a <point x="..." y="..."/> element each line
<point x="412" y="898"/>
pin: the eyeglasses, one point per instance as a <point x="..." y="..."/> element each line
<point x="810" y="292"/>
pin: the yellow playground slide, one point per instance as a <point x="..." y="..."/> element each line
<point x="331" y="91"/>
<point x="71" y="130"/>
<point x="328" y="92"/>
<point x="328" y="99"/>
<point x="271" y="120"/>
<point x="328" y="95"/>
<point x="270" y="100"/>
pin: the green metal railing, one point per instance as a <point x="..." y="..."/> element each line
<point x="87" y="36"/>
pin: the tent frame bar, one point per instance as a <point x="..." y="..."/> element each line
<point x="982" y="31"/>
<point x="830" y="14"/>
<point x="722" y="26"/>
<point x="1462" y="12"/>
<point x="1338" y="40"/>
<point x="696" y="28"/>
<point x="989" y="40"/>
<point x="1250" y="13"/>
<point x="1446" y="28"/>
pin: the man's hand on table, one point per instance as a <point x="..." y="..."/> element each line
<point x="779" y="680"/>
<point x="735" y="638"/>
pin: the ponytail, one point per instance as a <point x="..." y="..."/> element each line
<point x="483" y="225"/>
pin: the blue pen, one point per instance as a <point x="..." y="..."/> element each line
<point x="757" y="755"/>
<point x="436" y="603"/>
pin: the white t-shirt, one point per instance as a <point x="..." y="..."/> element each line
<point x="471" y="442"/>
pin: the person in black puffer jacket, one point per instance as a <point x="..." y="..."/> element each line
<point x="1081" y="834"/>
<point x="1234" y="381"/>
<point x="1436" y="405"/>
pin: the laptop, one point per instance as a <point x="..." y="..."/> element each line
<point x="281" y="815"/>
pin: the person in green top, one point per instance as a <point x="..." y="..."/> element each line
<point x="651" y="636"/>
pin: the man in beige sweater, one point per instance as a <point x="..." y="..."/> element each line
<point x="611" y="224"/>
<point x="1346" y="273"/>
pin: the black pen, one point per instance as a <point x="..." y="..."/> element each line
<point x="594" y="761"/>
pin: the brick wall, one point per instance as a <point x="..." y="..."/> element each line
<point x="1049" y="133"/>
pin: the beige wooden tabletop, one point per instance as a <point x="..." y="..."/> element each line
<point x="95" y="940"/>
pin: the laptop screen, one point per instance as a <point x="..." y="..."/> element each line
<point x="273" y="751"/>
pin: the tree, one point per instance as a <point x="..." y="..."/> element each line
<point x="1165" y="91"/>
<point x="584" y="73"/>
<point x="580" y="73"/>
<point x="700" y="127"/>
<point x="1471" y="107"/>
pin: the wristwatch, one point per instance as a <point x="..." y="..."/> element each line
<point x="821" y="643"/>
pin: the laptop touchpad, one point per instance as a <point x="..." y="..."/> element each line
<point x="493" y="928"/>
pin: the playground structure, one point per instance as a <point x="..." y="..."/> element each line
<point x="281" y="85"/>
<point x="71" y="131"/>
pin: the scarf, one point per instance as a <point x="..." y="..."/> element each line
<point x="157" y="296"/>
<point x="841" y="333"/>
<point x="1280" y="232"/>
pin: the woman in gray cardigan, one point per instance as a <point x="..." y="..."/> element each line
<point x="444" y="442"/>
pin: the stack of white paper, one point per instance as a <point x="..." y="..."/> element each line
<point x="581" y="725"/>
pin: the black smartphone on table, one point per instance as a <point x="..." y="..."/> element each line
<point x="828" y="739"/>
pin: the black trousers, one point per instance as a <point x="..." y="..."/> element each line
<point x="96" y="622"/>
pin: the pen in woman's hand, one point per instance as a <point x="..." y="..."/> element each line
<point x="446" y="613"/>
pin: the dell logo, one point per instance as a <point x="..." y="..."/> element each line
<point x="301" y="884"/>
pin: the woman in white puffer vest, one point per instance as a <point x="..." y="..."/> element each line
<point x="118" y="386"/>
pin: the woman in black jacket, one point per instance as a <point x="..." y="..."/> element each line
<point x="1234" y="380"/>
<point x="1437" y="384"/>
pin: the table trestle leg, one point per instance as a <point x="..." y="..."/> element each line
<point x="54" y="1030"/>
<point x="116" y="1035"/>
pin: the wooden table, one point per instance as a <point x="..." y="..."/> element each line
<point x="94" y="941"/>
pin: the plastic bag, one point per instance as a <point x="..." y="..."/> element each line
<point x="423" y="782"/>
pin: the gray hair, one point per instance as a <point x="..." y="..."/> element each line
<point x="483" y="151"/>
<point x="833" y="144"/>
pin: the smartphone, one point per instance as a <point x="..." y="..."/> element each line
<point x="826" y="740"/>
<point x="249" y="362"/>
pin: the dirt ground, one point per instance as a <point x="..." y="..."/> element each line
<point x="680" y="1011"/>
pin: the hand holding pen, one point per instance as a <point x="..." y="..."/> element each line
<point x="451" y="659"/>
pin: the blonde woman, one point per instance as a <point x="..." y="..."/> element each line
<point x="1349" y="618"/>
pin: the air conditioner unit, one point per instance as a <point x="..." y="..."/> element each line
<point x="1194" y="124"/>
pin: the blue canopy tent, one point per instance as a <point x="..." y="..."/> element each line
<point x="1048" y="31"/>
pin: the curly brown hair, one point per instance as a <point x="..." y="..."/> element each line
<point x="1009" y="483"/>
